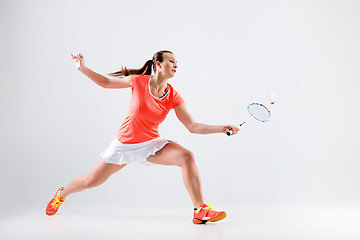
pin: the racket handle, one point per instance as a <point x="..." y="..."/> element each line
<point x="230" y="132"/>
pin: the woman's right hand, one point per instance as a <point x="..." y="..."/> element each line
<point x="79" y="61"/>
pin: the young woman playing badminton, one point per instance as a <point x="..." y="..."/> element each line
<point x="138" y="140"/>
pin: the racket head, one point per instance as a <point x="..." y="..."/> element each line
<point x="259" y="112"/>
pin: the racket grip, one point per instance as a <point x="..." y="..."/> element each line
<point x="230" y="132"/>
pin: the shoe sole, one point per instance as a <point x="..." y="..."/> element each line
<point x="201" y="222"/>
<point x="218" y="217"/>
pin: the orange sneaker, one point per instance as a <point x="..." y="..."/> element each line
<point x="207" y="213"/>
<point x="55" y="203"/>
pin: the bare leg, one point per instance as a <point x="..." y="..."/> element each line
<point x="175" y="154"/>
<point x="98" y="175"/>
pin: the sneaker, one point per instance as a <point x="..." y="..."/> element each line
<point x="55" y="203"/>
<point x="207" y="213"/>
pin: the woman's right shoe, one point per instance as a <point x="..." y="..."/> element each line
<point x="207" y="213"/>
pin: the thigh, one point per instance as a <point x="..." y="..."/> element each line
<point x="103" y="170"/>
<point x="171" y="154"/>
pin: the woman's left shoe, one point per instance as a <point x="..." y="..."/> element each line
<point x="55" y="202"/>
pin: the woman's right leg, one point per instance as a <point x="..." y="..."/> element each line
<point x="98" y="175"/>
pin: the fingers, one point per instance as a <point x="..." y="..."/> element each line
<point x="235" y="129"/>
<point x="232" y="130"/>
<point x="79" y="60"/>
<point x="79" y="56"/>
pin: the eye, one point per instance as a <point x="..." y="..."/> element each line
<point x="171" y="61"/>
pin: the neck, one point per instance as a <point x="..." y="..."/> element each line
<point x="158" y="82"/>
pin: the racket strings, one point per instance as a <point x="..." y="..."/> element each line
<point x="259" y="112"/>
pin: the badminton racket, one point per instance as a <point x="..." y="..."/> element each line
<point x="257" y="111"/>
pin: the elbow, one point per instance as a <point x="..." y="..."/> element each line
<point x="104" y="85"/>
<point x="192" y="128"/>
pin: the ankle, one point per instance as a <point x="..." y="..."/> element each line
<point x="198" y="206"/>
<point x="61" y="195"/>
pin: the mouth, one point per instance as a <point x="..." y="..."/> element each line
<point x="174" y="71"/>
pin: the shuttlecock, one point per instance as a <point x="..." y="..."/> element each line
<point x="270" y="98"/>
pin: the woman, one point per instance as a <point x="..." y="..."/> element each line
<point x="138" y="139"/>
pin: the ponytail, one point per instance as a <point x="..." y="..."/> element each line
<point x="145" y="70"/>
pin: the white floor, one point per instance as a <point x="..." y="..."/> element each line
<point x="245" y="222"/>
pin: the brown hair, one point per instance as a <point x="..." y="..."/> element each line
<point x="145" y="70"/>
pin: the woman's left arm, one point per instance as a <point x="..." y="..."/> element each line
<point x="185" y="117"/>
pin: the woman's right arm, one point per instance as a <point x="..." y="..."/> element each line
<point x="100" y="80"/>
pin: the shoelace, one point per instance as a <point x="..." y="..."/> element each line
<point x="209" y="207"/>
<point x="56" y="203"/>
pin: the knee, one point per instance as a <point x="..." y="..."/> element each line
<point x="187" y="159"/>
<point x="90" y="182"/>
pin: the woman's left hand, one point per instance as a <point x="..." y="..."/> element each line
<point x="234" y="129"/>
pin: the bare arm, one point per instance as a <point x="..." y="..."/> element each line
<point x="99" y="79"/>
<point x="185" y="117"/>
<point x="105" y="82"/>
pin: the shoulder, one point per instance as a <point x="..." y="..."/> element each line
<point x="139" y="78"/>
<point x="172" y="90"/>
<point x="175" y="97"/>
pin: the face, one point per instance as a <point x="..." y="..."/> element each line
<point x="168" y="66"/>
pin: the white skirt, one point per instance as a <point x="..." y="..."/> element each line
<point x="119" y="153"/>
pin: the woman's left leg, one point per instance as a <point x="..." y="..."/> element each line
<point x="175" y="154"/>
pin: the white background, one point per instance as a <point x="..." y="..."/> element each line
<point x="55" y="122"/>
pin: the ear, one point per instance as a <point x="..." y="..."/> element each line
<point x="158" y="65"/>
